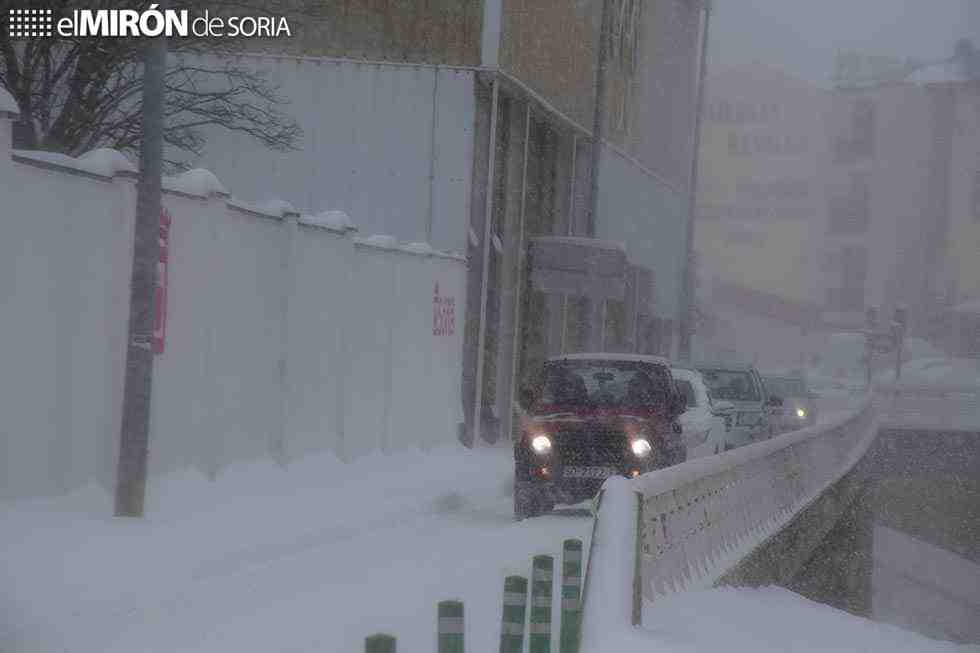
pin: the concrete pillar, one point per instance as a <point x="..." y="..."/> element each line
<point x="582" y="193"/>
<point x="509" y="272"/>
<point x="631" y="307"/>
<point x="478" y="203"/>
<point x="554" y="329"/>
<point x="564" y="182"/>
<point x="597" y="307"/>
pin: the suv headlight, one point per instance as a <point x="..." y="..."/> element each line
<point x="801" y="413"/>
<point x="641" y="447"/>
<point x="541" y="444"/>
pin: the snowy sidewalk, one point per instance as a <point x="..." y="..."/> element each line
<point x="313" y="558"/>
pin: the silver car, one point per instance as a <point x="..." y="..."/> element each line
<point x="743" y="387"/>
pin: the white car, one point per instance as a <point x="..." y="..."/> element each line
<point x="706" y="422"/>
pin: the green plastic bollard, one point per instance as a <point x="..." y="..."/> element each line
<point x="542" y="581"/>
<point x="379" y="643"/>
<point x="571" y="596"/>
<point x="450" y="627"/>
<point x="515" y="609"/>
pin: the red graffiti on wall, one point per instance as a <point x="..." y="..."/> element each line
<point x="443" y="313"/>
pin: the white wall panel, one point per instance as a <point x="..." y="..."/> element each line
<point x="366" y="147"/>
<point x="282" y="338"/>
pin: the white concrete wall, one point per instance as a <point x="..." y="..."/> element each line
<point x="282" y="337"/>
<point x="367" y="127"/>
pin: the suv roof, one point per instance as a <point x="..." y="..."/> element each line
<point x="607" y="356"/>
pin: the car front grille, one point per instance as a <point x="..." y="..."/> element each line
<point x="591" y="446"/>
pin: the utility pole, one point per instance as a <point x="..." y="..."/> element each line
<point x="599" y="114"/>
<point x="687" y="276"/>
<point x="899" y="324"/>
<point x="871" y="326"/>
<point x="134" y="435"/>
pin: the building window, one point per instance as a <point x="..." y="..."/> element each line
<point x="851" y="213"/>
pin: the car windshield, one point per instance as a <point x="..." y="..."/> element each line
<point x="731" y="385"/>
<point x="605" y="384"/>
<point x="785" y="387"/>
<point x="687" y="389"/>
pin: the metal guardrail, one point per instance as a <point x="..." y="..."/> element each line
<point x="685" y="527"/>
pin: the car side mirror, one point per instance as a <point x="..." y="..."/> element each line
<point x="775" y="401"/>
<point x="723" y="407"/>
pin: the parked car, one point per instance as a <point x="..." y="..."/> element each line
<point x="742" y="386"/>
<point x="799" y="407"/>
<point x="587" y="417"/>
<point x="706" y="422"/>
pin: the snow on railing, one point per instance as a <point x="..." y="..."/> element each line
<point x="686" y="527"/>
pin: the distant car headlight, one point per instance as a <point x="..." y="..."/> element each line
<point x="641" y="447"/>
<point x="541" y="443"/>
<point x="801" y="413"/>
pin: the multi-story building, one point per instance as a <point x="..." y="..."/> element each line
<point x="468" y="124"/>
<point x="761" y="209"/>
<point x="903" y="225"/>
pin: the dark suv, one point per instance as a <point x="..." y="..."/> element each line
<point x="587" y="417"/>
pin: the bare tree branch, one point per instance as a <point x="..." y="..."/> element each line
<point x="76" y="94"/>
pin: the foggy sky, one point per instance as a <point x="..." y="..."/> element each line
<point x="803" y="35"/>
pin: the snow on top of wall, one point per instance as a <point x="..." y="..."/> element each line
<point x="107" y="161"/>
<point x="383" y="241"/>
<point x="334" y="220"/>
<point x="380" y="240"/>
<point x="195" y="182"/>
<point x="7" y="103"/>
<point x="277" y="208"/>
<point x="419" y="248"/>
<point x="103" y="162"/>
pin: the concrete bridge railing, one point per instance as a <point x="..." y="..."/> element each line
<point x="703" y="523"/>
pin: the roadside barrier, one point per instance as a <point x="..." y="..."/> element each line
<point x="687" y="527"/>
<point x="450" y="621"/>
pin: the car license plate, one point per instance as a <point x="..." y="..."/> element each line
<point x="589" y="472"/>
